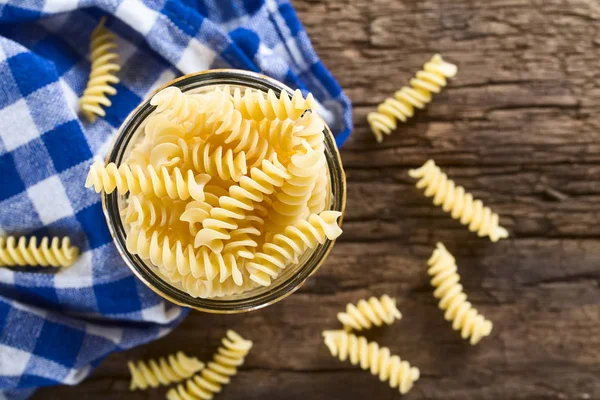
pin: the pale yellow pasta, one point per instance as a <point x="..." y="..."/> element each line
<point x="229" y="357"/>
<point x="19" y="252"/>
<point x="241" y="199"/>
<point x="211" y="181"/>
<point x="318" y="197"/>
<point x="153" y="211"/>
<point x="370" y="312"/>
<point x="164" y="371"/>
<point x="285" y="247"/>
<point x="456" y="201"/>
<point x="379" y="360"/>
<point x="104" y="60"/>
<point x="296" y="191"/>
<point x="219" y="161"/>
<point x="149" y="181"/>
<point x="258" y="105"/>
<point x="402" y="106"/>
<point x="449" y="291"/>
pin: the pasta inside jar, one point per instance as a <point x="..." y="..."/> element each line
<point x="224" y="191"/>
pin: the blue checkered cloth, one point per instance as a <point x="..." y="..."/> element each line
<point x="55" y="327"/>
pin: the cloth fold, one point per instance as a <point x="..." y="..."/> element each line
<point x="56" y="326"/>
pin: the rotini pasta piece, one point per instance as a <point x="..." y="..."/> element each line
<point x="456" y="201"/>
<point x="284" y="248"/>
<point x="197" y="211"/>
<point x="449" y="291"/>
<point x="370" y="312"/>
<point x="242" y="198"/>
<point x="153" y="212"/>
<point x="310" y="128"/>
<point x="379" y="360"/>
<point x="280" y="134"/>
<point x="178" y="106"/>
<point x="148" y="181"/>
<point x="243" y="240"/>
<point x="430" y="80"/>
<point x="229" y="357"/>
<point x="104" y="59"/>
<point x="258" y="105"/>
<point x="318" y="197"/>
<point x="219" y="161"/>
<point x="236" y="129"/>
<point x="162" y="372"/>
<point x="53" y="252"/>
<point x="295" y="193"/>
<point x="172" y="255"/>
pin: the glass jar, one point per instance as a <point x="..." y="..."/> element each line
<point x="292" y="277"/>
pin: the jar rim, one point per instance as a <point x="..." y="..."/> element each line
<point x="150" y="278"/>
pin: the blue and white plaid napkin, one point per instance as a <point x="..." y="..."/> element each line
<point x="56" y="327"/>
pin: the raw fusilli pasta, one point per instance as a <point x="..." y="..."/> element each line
<point x="153" y="212"/>
<point x="162" y="372"/>
<point x="257" y="105"/>
<point x="284" y="248"/>
<point x="226" y="361"/>
<point x="149" y="181"/>
<point x="466" y="319"/>
<point x="370" y="312"/>
<point x="219" y="161"/>
<point x="369" y="355"/>
<point x="50" y="252"/>
<point x="102" y="73"/>
<point x="457" y="202"/>
<point x="402" y="106"/>
<point x="251" y="189"/>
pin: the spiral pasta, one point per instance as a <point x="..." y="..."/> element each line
<point x="402" y="106"/>
<point x="218" y="161"/>
<point x="449" y="291"/>
<point x="153" y="212"/>
<point x="104" y="58"/>
<point x="229" y="357"/>
<point x="136" y="180"/>
<point x="457" y="202"/>
<point x="318" y="198"/>
<point x="369" y="355"/>
<point x="285" y="248"/>
<point x="257" y="105"/>
<point x="50" y="252"/>
<point x="242" y="197"/>
<point x="154" y="373"/>
<point x="179" y="107"/>
<point x="370" y="312"/>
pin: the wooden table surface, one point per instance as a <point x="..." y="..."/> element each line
<point x="520" y="128"/>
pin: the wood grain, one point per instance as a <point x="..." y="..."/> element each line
<point x="520" y="128"/>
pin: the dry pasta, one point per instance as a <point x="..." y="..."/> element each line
<point x="176" y="185"/>
<point x="223" y="190"/>
<point x="379" y="360"/>
<point x="102" y="73"/>
<point x="257" y="105"/>
<point x="456" y="201"/>
<point x="229" y="357"/>
<point x="449" y="291"/>
<point x="402" y="106"/>
<point x="370" y="312"/>
<point x="15" y="252"/>
<point x="285" y="248"/>
<point x="153" y="373"/>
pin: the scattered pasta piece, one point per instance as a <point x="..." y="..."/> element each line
<point x="369" y="355"/>
<point x="449" y="291"/>
<point x="402" y="106"/>
<point x="226" y="361"/>
<point x="17" y="252"/>
<point x="223" y="190"/>
<point x="370" y="312"/>
<point x="456" y="201"/>
<point x="162" y="372"/>
<point x="104" y="59"/>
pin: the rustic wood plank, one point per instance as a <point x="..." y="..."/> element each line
<point x="519" y="128"/>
